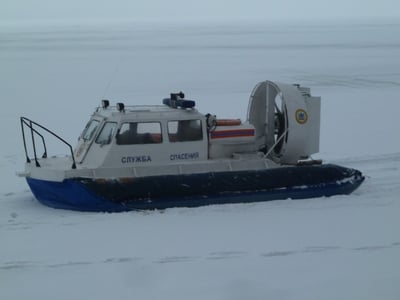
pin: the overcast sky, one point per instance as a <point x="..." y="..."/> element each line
<point x="44" y="10"/>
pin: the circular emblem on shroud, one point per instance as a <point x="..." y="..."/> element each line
<point x="301" y="116"/>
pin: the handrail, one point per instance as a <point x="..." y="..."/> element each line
<point x="29" y="123"/>
<point x="38" y="133"/>
<point x="277" y="142"/>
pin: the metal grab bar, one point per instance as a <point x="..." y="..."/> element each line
<point x="29" y="123"/>
<point x="38" y="133"/>
<point x="276" y="143"/>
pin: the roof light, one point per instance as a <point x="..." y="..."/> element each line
<point x="176" y="96"/>
<point x="177" y="100"/>
<point x="105" y="103"/>
<point x="120" y="107"/>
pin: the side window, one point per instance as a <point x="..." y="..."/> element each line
<point x="185" y="131"/>
<point x="106" y="134"/>
<point x="139" y="133"/>
<point x="90" y="130"/>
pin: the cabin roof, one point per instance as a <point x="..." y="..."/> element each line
<point x="146" y="112"/>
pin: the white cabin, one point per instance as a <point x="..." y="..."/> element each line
<point x="176" y="133"/>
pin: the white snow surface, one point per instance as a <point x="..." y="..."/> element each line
<point x="343" y="247"/>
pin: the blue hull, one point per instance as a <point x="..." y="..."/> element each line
<point x="160" y="192"/>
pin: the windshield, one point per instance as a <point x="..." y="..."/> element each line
<point x="105" y="136"/>
<point x="90" y="130"/>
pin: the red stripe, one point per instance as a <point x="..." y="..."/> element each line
<point x="232" y="133"/>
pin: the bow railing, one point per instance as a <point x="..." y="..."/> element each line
<point x="34" y="127"/>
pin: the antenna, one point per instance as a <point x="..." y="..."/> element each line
<point x="116" y="69"/>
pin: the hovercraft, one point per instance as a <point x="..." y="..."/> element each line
<point x="171" y="155"/>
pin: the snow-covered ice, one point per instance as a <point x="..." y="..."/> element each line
<point x="343" y="247"/>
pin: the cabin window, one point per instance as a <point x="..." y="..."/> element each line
<point x="139" y="133"/>
<point x="90" y="130"/>
<point x="185" y="131"/>
<point x="106" y="134"/>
